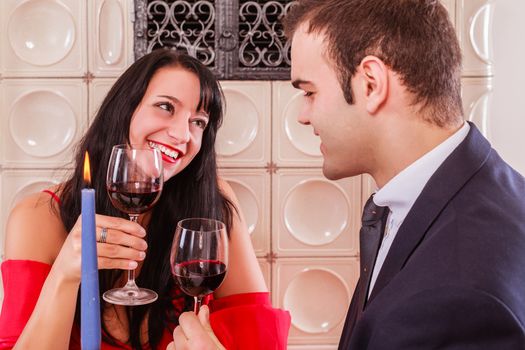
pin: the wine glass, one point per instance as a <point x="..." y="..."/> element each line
<point x="199" y="257"/>
<point x="134" y="182"/>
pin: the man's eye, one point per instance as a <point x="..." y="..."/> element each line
<point x="166" y="106"/>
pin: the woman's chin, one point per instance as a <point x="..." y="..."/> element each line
<point x="170" y="171"/>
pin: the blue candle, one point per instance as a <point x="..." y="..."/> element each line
<point x="89" y="291"/>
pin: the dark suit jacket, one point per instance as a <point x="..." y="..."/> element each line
<point x="454" y="277"/>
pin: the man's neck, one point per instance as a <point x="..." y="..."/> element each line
<point x="403" y="142"/>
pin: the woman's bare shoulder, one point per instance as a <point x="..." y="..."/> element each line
<point x="227" y="190"/>
<point x="34" y="230"/>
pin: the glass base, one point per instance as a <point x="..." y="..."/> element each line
<point x="130" y="296"/>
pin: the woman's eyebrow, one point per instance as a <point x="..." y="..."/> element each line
<point x="171" y="98"/>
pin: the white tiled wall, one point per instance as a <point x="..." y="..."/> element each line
<point x="42" y="121"/>
<point x="475" y="30"/>
<point x="43" y="38"/>
<point x="477" y="100"/>
<point x="507" y="110"/>
<point x="97" y="90"/>
<point x="56" y="69"/>
<point x="317" y="292"/>
<point x="313" y="216"/>
<point x="251" y="188"/>
<point x="244" y="139"/>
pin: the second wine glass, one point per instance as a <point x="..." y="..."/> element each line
<point x="134" y="182"/>
<point x="199" y="257"/>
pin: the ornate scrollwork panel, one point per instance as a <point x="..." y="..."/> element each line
<point x="182" y="25"/>
<point x="263" y="43"/>
<point x="237" y="39"/>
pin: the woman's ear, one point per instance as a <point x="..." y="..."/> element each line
<point x="375" y="78"/>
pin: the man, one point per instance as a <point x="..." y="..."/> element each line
<point x="381" y="80"/>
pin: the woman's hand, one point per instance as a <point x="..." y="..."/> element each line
<point x="123" y="248"/>
<point x="194" y="332"/>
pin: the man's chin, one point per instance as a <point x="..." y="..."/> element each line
<point x="330" y="174"/>
<point x="337" y="173"/>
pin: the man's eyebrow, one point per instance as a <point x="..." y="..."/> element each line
<point x="298" y="82"/>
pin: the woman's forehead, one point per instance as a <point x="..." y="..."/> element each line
<point x="176" y="82"/>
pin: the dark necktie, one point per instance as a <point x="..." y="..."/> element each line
<point x="370" y="235"/>
<point x="373" y="225"/>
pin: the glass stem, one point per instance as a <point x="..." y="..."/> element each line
<point x="130" y="284"/>
<point x="197" y="305"/>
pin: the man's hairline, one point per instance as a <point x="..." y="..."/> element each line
<point x="320" y="32"/>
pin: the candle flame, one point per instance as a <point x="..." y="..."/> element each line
<point x="87" y="169"/>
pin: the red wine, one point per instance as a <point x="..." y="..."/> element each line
<point x="199" y="277"/>
<point x="134" y="197"/>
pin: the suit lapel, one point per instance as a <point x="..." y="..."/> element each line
<point x="351" y="319"/>
<point x="455" y="171"/>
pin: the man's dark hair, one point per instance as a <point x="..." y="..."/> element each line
<point x="415" y="38"/>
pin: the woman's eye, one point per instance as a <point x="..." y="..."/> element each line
<point x="166" y="106"/>
<point x="200" y="123"/>
<point x="307" y="93"/>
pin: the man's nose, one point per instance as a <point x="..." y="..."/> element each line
<point x="303" y="118"/>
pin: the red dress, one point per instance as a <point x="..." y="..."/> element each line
<point x="242" y="321"/>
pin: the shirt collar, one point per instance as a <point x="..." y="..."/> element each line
<point x="400" y="193"/>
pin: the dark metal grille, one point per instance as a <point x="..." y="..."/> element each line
<point x="184" y="25"/>
<point x="262" y="41"/>
<point x="237" y="39"/>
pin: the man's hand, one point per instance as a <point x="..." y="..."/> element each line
<point x="195" y="333"/>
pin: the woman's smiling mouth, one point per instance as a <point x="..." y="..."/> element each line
<point x="169" y="154"/>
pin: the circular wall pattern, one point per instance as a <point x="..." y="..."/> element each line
<point x="317" y="299"/>
<point x="42" y="123"/>
<point x="240" y="124"/>
<point x="301" y="136"/>
<point x="479" y="113"/>
<point x="41" y="32"/>
<point x="111" y="31"/>
<point x="248" y="203"/>
<point x="316" y="212"/>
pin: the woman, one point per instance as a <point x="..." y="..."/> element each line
<point x="167" y="101"/>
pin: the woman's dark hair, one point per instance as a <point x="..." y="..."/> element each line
<point x="194" y="192"/>
<point x="415" y="38"/>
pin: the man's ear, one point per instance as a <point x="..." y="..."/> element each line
<point x="375" y="82"/>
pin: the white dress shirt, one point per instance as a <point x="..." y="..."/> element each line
<point x="400" y="193"/>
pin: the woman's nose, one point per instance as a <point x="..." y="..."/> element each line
<point x="179" y="129"/>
